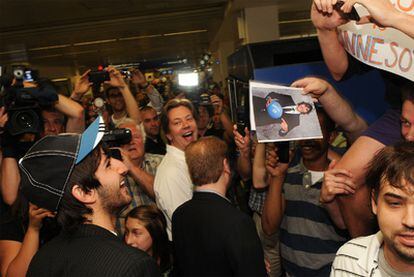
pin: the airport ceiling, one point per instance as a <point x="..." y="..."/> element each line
<point x="90" y="32"/>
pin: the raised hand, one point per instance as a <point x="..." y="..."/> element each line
<point x="138" y="78"/>
<point x="273" y="166"/>
<point x="36" y="216"/>
<point x="336" y="182"/>
<point x="324" y="16"/>
<point x="242" y="143"/>
<point x="82" y="86"/>
<point x="116" y="78"/>
<point x="315" y="87"/>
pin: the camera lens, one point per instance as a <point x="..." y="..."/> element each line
<point x="25" y="120"/>
<point x="18" y="73"/>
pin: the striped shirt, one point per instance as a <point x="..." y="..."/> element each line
<point x="308" y="237"/>
<point x="138" y="194"/>
<point x="358" y="257"/>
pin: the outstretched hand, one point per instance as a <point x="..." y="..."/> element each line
<point x="315" y="87"/>
<point x="273" y="166"/>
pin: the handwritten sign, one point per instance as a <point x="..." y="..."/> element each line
<point x="385" y="48"/>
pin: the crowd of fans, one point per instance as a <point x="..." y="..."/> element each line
<point x="167" y="201"/>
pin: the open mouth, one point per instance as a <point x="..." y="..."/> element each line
<point x="123" y="183"/>
<point x="188" y="135"/>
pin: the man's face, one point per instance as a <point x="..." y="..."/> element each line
<point x="116" y="100"/>
<point x="52" y="123"/>
<point x="183" y="127"/>
<point x="113" y="192"/>
<point x="303" y="108"/>
<point x="151" y="123"/>
<point x="136" y="235"/>
<point x="135" y="148"/>
<point x="204" y="118"/>
<point x="394" y="209"/>
<point x="407" y="120"/>
<point x="313" y="149"/>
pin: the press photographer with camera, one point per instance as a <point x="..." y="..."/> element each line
<point x="32" y="109"/>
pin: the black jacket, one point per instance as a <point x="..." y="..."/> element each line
<point x="212" y="238"/>
<point x="262" y="117"/>
<point x="91" y="251"/>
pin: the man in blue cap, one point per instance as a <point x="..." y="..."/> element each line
<point x="75" y="176"/>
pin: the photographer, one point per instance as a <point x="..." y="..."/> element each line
<point x="211" y="114"/>
<point x="156" y="100"/>
<point x="120" y="98"/>
<point x="48" y="112"/>
<point x="117" y="93"/>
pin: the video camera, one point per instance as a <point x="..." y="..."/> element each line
<point x="23" y="104"/>
<point x="116" y="138"/>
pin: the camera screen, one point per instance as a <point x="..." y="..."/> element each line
<point x="28" y="76"/>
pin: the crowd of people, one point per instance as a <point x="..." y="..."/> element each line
<point x="166" y="201"/>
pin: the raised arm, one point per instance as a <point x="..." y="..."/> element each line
<point x="259" y="167"/>
<point x="117" y="80"/>
<point x="274" y="205"/>
<point x="20" y="264"/>
<point x="244" y="164"/>
<point x="336" y="182"/>
<point x="335" y="105"/>
<point x="143" y="178"/>
<point x="74" y="112"/>
<point x="384" y="13"/>
<point x="326" y="20"/>
<point x="138" y="79"/>
<point x="223" y="116"/>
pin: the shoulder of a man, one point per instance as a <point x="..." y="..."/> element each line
<point x="356" y="257"/>
<point x="140" y="264"/>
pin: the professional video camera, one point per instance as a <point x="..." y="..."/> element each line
<point x="23" y="104"/>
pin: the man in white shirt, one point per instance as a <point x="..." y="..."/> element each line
<point x="390" y="252"/>
<point x="172" y="185"/>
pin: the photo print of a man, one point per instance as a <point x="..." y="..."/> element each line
<point x="282" y="113"/>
